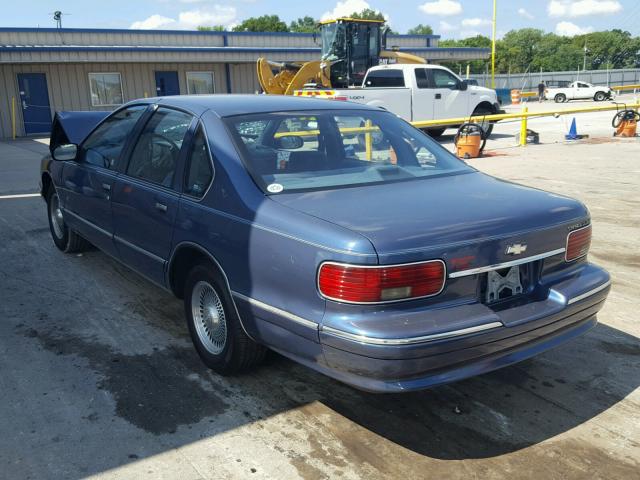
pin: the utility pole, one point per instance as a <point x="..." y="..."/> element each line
<point x="584" y="60"/>
<point x="493" y="48"/>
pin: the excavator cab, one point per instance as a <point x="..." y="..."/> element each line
<point x="350" y="47"/>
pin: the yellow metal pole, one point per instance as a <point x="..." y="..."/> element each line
<point x="493" y="48"/>
<point x="145" y="95"/>
<point x="468" y="68"/>
<point x="13" y="117"/>
<point x="367" y="139"/>
<point x="523" y="128"/>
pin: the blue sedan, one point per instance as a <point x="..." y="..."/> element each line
<point x="333" y="233"/>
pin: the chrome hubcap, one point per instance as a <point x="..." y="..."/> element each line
<point x="208" y="316"/>
<point x="57" y="221"/>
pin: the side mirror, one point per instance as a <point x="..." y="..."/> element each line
<point x="290" y="142"/>
<point x="66" y="152"/>
<point x="462" y="85"/>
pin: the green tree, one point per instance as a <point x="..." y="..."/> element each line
<point x="305" y="24"/>
<point x="368" y="14"/>
<point x="265" y="23"/>
<point x="476" y="66"/>
<point x="421" y="29"/>
<point x="214" y="28"/>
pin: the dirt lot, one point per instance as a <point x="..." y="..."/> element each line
<point x="98" y="376"/>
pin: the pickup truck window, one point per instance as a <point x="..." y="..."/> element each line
<point x="385" y="78"/>
<point x="443" y="79"/>
<point x="422" y="80"/>
<point x="582" y="85"/>
<point x="155" y="156"/>
<point x="334" y="149"/>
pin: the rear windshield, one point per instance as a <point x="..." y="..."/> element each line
<point x="297" y="151"/>
<point x="385" y="78"/>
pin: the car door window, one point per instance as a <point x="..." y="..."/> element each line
<point x="104" y="145"/>
<point x="199" y="169"/>
<point x="155" y="156"/>
<point x="444" y="79"/>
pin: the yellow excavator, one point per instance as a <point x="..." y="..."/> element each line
<point x="350" y="46"/>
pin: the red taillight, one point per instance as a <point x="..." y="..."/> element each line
<point x="578" y="243"/>
<point x="357" y="284"/>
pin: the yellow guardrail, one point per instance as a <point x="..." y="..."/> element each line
<point x="626" y="87"/>
<point x="524" y="115"/>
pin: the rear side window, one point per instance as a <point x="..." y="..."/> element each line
<point x="421" y="78"/>
<point x="155" y="156"/>
<point x="385" y="78"/>
<point x="103" y="146"/>
<point x="199" y="169"/>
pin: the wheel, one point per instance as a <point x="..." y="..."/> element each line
<point x="65" y="239"/>
<point x="599" y="97"/>
<point x="214" y="326"/>
<point x="486" y="125"/>
<point x="560" y="98"/>
<point x="434" y="132"/>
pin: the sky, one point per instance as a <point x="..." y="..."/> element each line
<point x="449" y="18"/>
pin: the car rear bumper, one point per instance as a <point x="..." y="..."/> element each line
<point x="406" y="364"/>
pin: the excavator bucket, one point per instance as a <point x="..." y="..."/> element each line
<point x="276" y="84"/>
<point x="291" y="76"/>
<point x="310" y="72"/>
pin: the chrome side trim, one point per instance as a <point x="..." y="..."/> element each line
<point x="589" y="293"/>
<point x="498" y="266"/>
<point x="138" y="249"/>
<point x="86" y="222"/>
<point x="277" y="311"/>
<point x="410" y="340"/>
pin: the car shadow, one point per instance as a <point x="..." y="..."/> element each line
<point x="509" y="409"/>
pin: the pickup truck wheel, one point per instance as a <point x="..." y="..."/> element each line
<point x="434" y="132"/>
<point x="599" y="96"/>
<point x="560" y="98"/>
<point x="65" y="239"/>
<point x="214" y="325"/>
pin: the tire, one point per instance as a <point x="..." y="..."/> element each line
<point x="600" y="97"/>
<point x="434" y="132"/>
<point x="214" y="326"/>
<point x="560" y="98"/>
<point x="486" y="126"/>
<point x="65" y="239"/>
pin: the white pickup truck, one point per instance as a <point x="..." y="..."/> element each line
<point x="579" y="91"/>
<point x="418" y="92"/>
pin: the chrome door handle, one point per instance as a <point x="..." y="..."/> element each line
<point x="160" y="206"/>
<point x="106" y="187"/>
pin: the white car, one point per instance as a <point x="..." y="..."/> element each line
<point x="418" y="92"/>
<point x="580" y="91"/>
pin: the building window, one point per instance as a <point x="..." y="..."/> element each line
<point x="200" y="83"/>
<point x="106" y="89"/>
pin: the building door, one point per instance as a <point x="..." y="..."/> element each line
<point x="34" y="98"/>
<point x="167" y="84"/>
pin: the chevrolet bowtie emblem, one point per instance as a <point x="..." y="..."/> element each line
<point x="516" y="249"/>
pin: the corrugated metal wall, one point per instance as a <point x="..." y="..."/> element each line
<point x="68" y="84"/>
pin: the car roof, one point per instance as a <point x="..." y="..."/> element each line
<point x="226" y="105"/>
